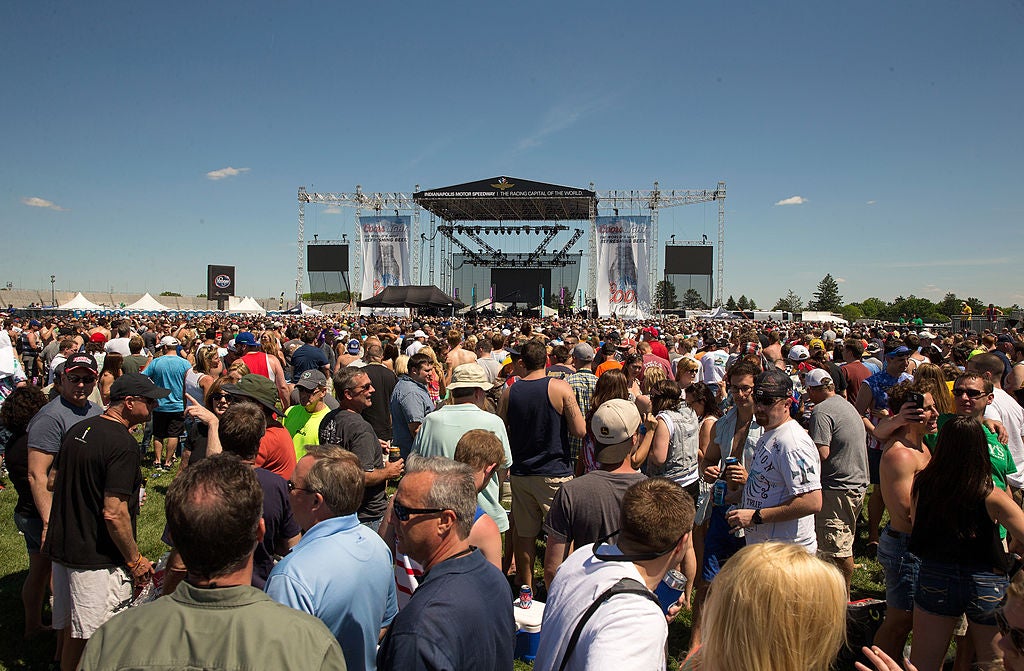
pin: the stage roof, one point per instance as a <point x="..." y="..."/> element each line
<point x="413" y="296"/>
<point x="508" y="199"/>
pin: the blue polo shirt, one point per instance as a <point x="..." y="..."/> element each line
<point x="410" y="402"/>
<point x="460" y="617"/>
<point x="341" y="572"/>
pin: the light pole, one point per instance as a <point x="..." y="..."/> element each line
<point x="53" y="299"/>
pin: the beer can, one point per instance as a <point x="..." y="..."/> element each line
<point x="394" y="454"/>
<point x="525" y="596"/>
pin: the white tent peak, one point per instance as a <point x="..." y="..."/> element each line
<point x="148" y="304"/>
<point x="80" y="302"/>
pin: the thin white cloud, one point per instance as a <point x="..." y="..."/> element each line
<point x="33" y="201"/>
<point x="792" y="200"/>
<point x="332" y="209"/>
<point x="224" y="173"/>
<point x="871" y="202"/>
<point x="947" y="263"/>
<point x="841" y="280"/>
<point x="556" y="119"/>
<point x="931" y="289"/>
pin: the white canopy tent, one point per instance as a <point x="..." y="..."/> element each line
<point x="80" y="302"/>
<point x="147" y="304"/>
<point x="247" y="305"/>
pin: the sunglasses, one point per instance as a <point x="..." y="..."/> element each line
<point x="403" y="513"/>
<point x="83" y="379"/>
<point x="971" y="393"/>
<point x="360" y="390"/>
<point x="292" y="488"/>
<point x="742" y="389"/>
<point x="222" y="396"/>
<point x="1016" y="635"/>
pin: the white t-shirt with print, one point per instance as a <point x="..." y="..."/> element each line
<point x="785" y="464"/>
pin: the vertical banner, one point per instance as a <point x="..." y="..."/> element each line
<point x="623" y="253"/>
<point x="385" y="253"/>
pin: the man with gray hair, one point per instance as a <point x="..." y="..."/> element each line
<point x="460" y="617"/>
<point x="326" y="490"/>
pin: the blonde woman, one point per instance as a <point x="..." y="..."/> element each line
<point x="930" y="375"/>
<point x="773" y="607"/>
<point x="271" y="346"/>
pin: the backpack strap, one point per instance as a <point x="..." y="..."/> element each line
<point x="623" y="586"/>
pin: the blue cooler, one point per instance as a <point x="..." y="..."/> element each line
<point x="528" y="622"/>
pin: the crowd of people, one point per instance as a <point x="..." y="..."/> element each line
<point x="373" y="492"/>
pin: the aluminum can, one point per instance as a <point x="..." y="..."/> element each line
<point x="525" y="596"/>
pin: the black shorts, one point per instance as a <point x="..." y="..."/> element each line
<point x="168" y="424"/>
<point x="874" y="462"/>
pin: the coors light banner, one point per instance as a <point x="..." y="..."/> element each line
<point x="385" y="253"/>
<point x="623" y="245"/>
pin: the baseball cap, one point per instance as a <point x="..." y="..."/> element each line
<point x="352" y="347"/>
<point x="902" y="350"/>
<point x="96" y="337"/>
<point x="799" y="353"/>
<point x="816" y="343"/>
<point x="651" y="331"/>
<point x="772" y="384"/>
<point x="81" y="360"/>
<point x="256" y="387"/>
<point x="311" y="379"/>
<point x="419" y="334"/>
<point x="614" y="423"/>
<point x="925" y="333"/>
<point x="245" y="338"/>
<point x="469" y="375"/>
<point x="34" y="322"/>
<point x="136" y="384"/>
<point x="1002" y="337"/>
<point x="169" y="341"/>
<point x="817" y="378"/>
<point x="583" y="352"/>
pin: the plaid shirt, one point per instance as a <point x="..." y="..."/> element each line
<point x="582" y="383"/>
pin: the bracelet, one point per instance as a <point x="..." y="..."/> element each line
<point x="135" y="564"/>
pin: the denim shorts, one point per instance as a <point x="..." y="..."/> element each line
<point x="719" y="543"/>
<point x="901" y="569"/>
<point x="951" y="590"/>
<point x="32" y="528"/>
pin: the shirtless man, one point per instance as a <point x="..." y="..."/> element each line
<point x="456" y="355"/>
<point x="904" y="455"/>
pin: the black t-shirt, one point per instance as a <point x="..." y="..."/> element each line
<point x="379" y="413"/>
<point x="197" y="434"/>
<point x="351" y="431"/>
<point x="98" y="457"/>
<point x="16" y="460"/>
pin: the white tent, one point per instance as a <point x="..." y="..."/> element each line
<point x="308" y="309"/>
<point x="721" y="313"/>
<point x="545" y="311"/>
<point x="147" y="304"/>
<point x="248" y="305"/>
<point x="484" y="305"/>
<point x="80" y="302"/>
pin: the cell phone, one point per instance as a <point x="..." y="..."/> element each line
<point x="915" y="397"/>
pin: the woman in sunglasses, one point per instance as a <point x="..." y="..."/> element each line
<point x="199" y="419"/>
<point x="956" y="512"/>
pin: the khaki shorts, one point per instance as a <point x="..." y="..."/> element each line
<point x="531" y="499"/>
<point x="84" y="599"/>
<point x="836" y="524"/>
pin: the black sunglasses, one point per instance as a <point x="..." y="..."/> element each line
<point x="292" y="488"/>
<point x="403" y="513"/>
<point x="971" y="393"/>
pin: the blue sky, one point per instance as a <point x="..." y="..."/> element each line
<point x="896" y="127"/>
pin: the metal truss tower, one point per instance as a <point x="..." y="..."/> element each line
<point x="378" y="202"/>
<point x="653" y="201"/>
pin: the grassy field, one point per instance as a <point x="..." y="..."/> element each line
<point x="16" y="653"/>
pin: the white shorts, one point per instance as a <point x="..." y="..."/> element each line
<point x="83" y="599"/>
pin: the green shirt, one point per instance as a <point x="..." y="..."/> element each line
<point x="225" y="628"/>
<point x="303" y="427"/>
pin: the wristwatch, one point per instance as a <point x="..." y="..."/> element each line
<point x="757" y="517"/>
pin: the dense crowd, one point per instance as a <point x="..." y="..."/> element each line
<point x="714" y="465"/>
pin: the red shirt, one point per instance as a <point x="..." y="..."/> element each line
<point x="277" y="451"/>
